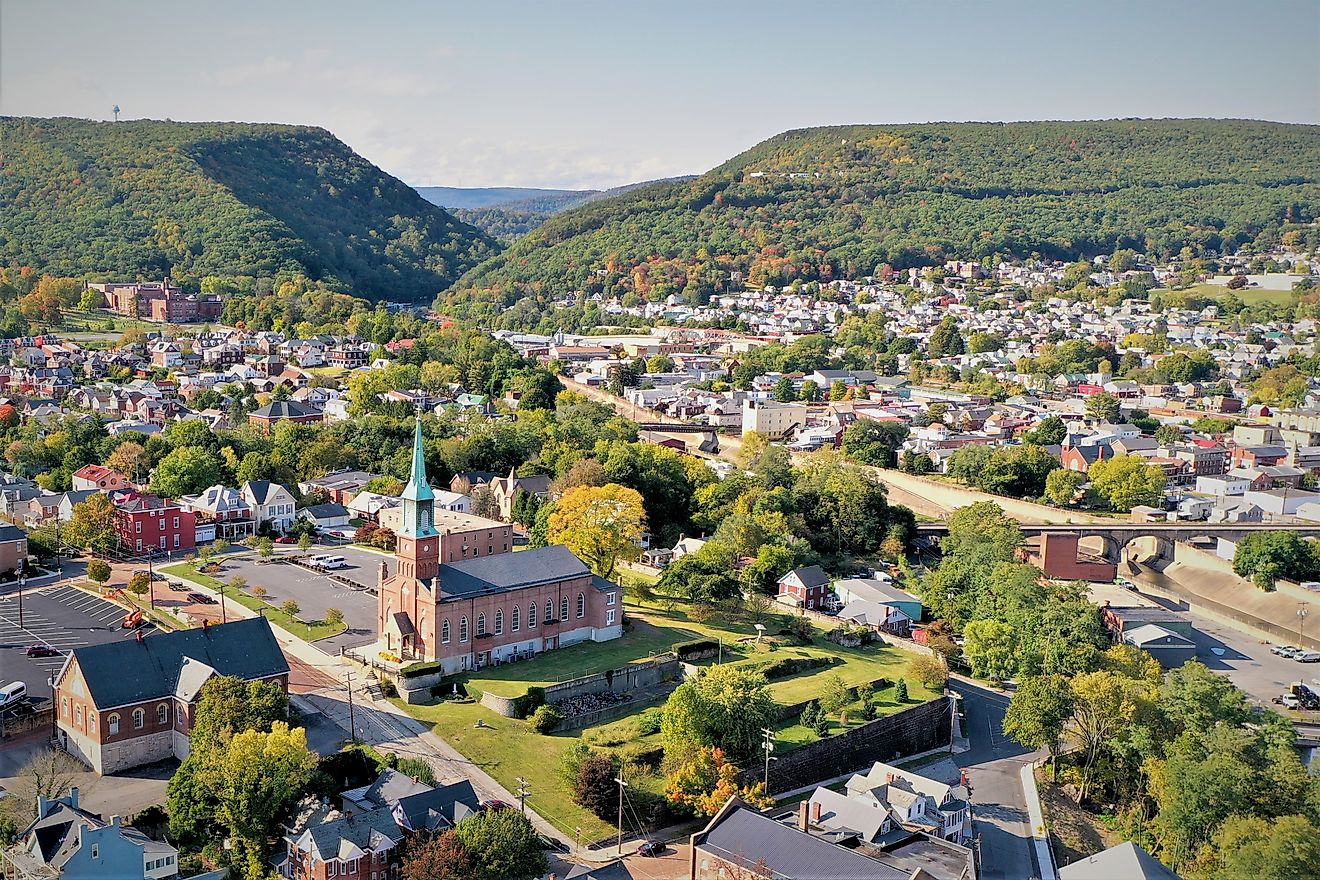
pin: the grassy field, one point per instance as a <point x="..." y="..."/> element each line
<point x="307" y="631"/>
<point x="1248" y="296"/>
<point x="507" y="748"/>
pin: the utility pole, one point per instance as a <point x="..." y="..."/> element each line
<point x="352" y="725"/>
<point x="151" y="583"/>
<point x="22" y="579"/>
<point x="577" y="831"/>
<point x="524" y="789"/>
<point x="767" y="743"/>
<point x="224" y="616"/>
<point x="1302" y="611"/>
<point x="622" y="786"/>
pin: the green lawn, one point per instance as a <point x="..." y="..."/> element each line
<point x="306" y="631"/>
<point x="1248" y="296"/>
<point x="507" y="748"/>
<point x="575" y="661"/>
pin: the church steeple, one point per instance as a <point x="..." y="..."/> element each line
<point x="418" y="499"/>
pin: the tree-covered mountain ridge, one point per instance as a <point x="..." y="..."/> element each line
<point x="823" y="203"/>
<point x="190" y="199"/>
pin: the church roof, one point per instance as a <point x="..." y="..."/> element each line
<point x="418" y="489"/>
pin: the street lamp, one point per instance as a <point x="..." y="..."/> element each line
<point x="1302" y="611"/>
<point x="22" y="579"/>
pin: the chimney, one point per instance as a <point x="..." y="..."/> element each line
<point x="804" y="822"/>
<point x="889" y="778"/>
<point x="114" y="821"/>
<point x="815" y="812"/>
<point x="73" y="797"/>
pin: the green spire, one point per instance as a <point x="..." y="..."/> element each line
<point x="418" y="489"/>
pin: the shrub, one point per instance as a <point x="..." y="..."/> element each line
<point x="595" y="788"/>
<point x="259" y="592"/>
<point x="696" y="649"/>
<point x="641" y="754"/>
<point x="546" y="718"/>
<point x="901" y="691"/>
<point x="388" y="688"/>
<point x="821" y="725"/>
<point x="701" y="612"/>
<point x="571" y="761"/>
<point x="334" y="616"/>
<point x="529" y="702"/>
<point x="868" y="711"/>
<point x="784" y="667"/>
<point x="809" y="713"/>
<point x="930" y="671"/>
<point x="799" y="630"/>
<point x="415" y="670"/>
<point x="417" y="768"/>
<point x="834" y="694"/>
<point x="291" y="607"/>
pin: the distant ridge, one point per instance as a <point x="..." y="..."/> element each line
<point x="451" y="197"/>
<point x="147" y="198"/>
<point x="837" y="202"/>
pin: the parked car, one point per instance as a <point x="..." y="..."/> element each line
<point x="1288" y="701"/>
<point x="155" y="575"/>
<point x="178" y="586"/>
<point x="12" y="694"/>
<point x="201" y="599"/>
<point x="286" y="539"/>
<point x="495" y="806"/>
<point x="651" y="849"/>
<point x="1307" y="656"/>
<point x="41" y="651"/>
<point x="1285" y="650"/>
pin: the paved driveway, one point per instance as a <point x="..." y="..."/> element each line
<point x="57" y="615"/>
<point x="999" y="806"/>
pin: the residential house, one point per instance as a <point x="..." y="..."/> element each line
<point x="224" y="508"/>
<point x="1126" y="860"/>
<point x="340" y="485"/>
<point x="323" y="843"/>
<point x="151" y="524"/>
<point x="507" y="489"/>
<point x="69" y="842"/>
<point x="326" y="516"/>
<point x="272" y="505"/>
<point x="114" y="721"/>
<point x="13" y="549"/>
<point x="95" y="476"/>
<point x="914" y="801"/>
<point x="268" y="416"/>
<point x="805" y="587"/>
<point x="1171" y="649"/>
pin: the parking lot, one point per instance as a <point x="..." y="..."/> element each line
<point x="60" y="616"/>
<point x="315" y="593"/>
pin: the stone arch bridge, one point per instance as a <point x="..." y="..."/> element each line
<point x="1116" y="536"/>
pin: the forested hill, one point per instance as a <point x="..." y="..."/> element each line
<point x="148" y="198"/>
<point x="834" y="202"/>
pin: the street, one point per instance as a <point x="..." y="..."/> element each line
<point x="999" y="807"/>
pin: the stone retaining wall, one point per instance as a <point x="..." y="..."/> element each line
<point x="921" y="728"/>
<point x="634" y="676"/>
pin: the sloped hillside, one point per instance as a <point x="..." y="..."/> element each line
<point x="824" y="203"/>
<point x="194" y="199"/>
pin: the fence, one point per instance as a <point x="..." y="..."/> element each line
<point x="922" y="728"/>
<point x="37" y="719"/>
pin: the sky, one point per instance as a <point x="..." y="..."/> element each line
<point x="593" y="94"/>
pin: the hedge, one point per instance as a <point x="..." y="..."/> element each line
<point x="529" y="702"/>
<point x="783" y="667"/>
<point x="685" y="650"/>
<point x="418" y="669"/>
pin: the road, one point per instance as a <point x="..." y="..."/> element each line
<point x="994" y="765"/>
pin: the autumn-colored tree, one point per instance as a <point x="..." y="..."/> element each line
<point x="94" y="525"/>
<point x="130" y="459"/>
<point x="601" y="524"/>
<point x="139" y="583"/>
<point x="437" y="857"/>
<point x="706" y="781"/>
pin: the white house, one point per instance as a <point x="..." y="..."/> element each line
<point x="1222" y="485"/>
<point x="271" y="504"/>
<point x="886" y="797"/>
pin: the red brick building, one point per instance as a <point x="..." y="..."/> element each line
<point x="805" y="587"/>
<point x="132" y="702"/>
<point x="460" y="597"/>
<point x="160" y="301"/>
<point x="148" y="522"/>
<point x="284" y="411"/>
<point x="95" y="476"/>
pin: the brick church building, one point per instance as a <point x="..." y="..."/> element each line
<point x="460" y="596"/>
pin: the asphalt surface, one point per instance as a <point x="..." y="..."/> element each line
<point x="315" y="592"/>
<point x="57" y="615"/>
<point x="999" y="807"/>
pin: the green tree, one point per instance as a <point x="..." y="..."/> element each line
<point x="874" y="442"/>
<point x="291" y="607"/>
<point x="785" y="391"/>
<point x="991" y="647"/>
<point x="304" y="542"/>
<point x="503" y="845"/>
<point x="725" y="706"/>
<point x="1127" y="481"/>
<point x="1287" y="848"/>
<point x="139" y="583"/>
<point x="1264" y="557"/>
<point x="834" y="694"/>
<point x="1103" y="407"/>
<point x="98" y="571"/>
<point x="93" y="525"/>
<point x="901" y="691"/>
<point x="810" y="391"/>
<point x="945" y="340"/>
<point x="262" y="774"/>
<point x="1062" y="486"/>
<point x="1038" y="714"/>
<point x="838" y="389"/>
<point x="187" y="470"/>
<point x="1050" y="431"/>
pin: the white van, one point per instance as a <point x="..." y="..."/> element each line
<point x="318" y="559"/>
<point x="12" y="694"/>
<point x="328" y="562"/>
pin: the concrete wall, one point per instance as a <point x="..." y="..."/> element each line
<point x="634" y="676"/>
<point x="951" y="496"/>
<point x="919" y="729"/>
